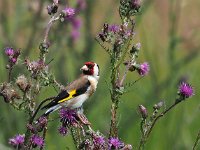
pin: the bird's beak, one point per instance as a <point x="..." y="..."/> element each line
<point x="84" y="68"/>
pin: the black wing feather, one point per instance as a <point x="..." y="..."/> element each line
<point x="63" y="94"/>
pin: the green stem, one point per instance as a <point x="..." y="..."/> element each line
<point x="73" y="133"/>
<point x="196" y="141"/>
<point x="44" y="133"/>
<point x="113" y="123"/>
<point x="9" y="73"/>
<point x="161" y="115"/>
<point x="114" y="99"/>
<point x="147" y="134"/>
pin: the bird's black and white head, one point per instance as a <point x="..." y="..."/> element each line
<point x="91" y="68"/>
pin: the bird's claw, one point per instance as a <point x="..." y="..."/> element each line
<point x="83" y="119"/>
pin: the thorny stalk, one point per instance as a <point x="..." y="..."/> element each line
<point x="115" y="100"/>
<point x="73" y="133"/>
<point x="45" y="43"/>
<point x="9" y="73"/>
<point x="161" y="115"/>
<point x="196" y="141"/>
<point x="146" y="134"/>
<point x="124" y="76"/>
<point x="53" y="19"/>
<point x="45" y="132"/>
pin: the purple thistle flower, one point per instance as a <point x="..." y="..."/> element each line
<point x="17" y="140"/>
<point x="9" y="51"/>
<point x="42" y="120"/>
<point x="13" y="60"/>
<point x="68" y="116"/>
<point x="98" y="141"/>
<point x="30" y="128"/>
<point x="36" y="140"/>
<point x="115" y="143"/>
<point x="62" y="130"/>
<point x="186" y="90"/>
<point x="69" y="12"/>
<point x="113" y="28"/>
<point x="143" y="69"/>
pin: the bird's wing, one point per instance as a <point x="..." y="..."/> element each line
<point x="74" y="89"/>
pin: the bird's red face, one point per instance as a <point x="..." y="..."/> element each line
<point x="90" y="68"/>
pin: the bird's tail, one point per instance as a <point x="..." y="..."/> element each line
<point x="48" y="111"/>
<point x="51" y="109"/>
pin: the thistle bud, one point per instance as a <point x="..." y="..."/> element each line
<point x="31" y="128"/>
<point x="8" y="92"/>
<point x="52" y="9"/>
<point x="44" y="47"/>
<point x="127" y="147"/>
<point x="158" y="105"/>
<point x="42" y="122"/>
<point x="136" y="4"/>
<point x="22" y="83"/>
<point x="143" y="111"/>
<point x="68" y="12"/>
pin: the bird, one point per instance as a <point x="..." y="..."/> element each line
<point x="76" y="92"/>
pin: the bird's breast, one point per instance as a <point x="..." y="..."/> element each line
<point x="93" y="85"/>
<point x="77" y="102"/>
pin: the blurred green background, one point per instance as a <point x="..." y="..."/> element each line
<point x="169" y="32"/>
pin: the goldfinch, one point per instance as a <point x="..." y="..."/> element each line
<point x="78" y="91"/>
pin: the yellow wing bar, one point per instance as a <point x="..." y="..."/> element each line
<point x="71" y="93"/>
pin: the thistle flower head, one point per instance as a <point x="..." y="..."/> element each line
<point x="114" y="28"/>
<point x="37" y="141"/>
<point x="35" y="67"/>
<point x="9" y="51"/>
<point x="62" y="130"/>
<point x="41" y="123"/>
<point x="115" y="143"/>
<point x="68" y="116"/>
<point x="31" y="128"/>
<point x="13" y="55"/>
<point x="68" y="12"/>
<point x="17" y="140"/>
<point x="13" y="60"/>
<point x="143" y="69"/>
<point x="98" y="141"/>
<point x="185" y="90"/>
